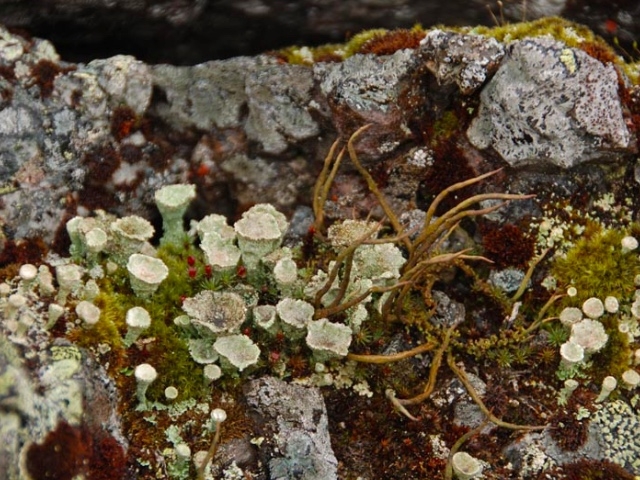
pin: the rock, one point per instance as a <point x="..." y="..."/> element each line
<point x="611" y="436"/>
<point x="294" y="420"/>
<point x="550" y="104"/>
<point x="278" y="99"/>
<point x="368" y="89"/>
<point x="206" y="96"/>
<point x="40" y="405"/>
<point x="466" y="60"/>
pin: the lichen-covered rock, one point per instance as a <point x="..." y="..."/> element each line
<point x="466" y="60"/>
<point x="368" y="89"/>
<point x="208" y="95"/>
<point x="551" y="104"/>
<point x="52" y="388"/>
<point x="294" y="417"/>
<point x="278" y="97"/>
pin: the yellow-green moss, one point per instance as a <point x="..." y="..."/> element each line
<point x="573" y="34"/>
<point x="615" y="356"/>
<point x="597" y="267"/>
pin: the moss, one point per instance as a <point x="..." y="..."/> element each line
<point x="597" y="267"/>
<point x="614" y="358"/>
<point x="573" y="34"/>
<point x="392" y="41"/>
<point x="507" y="245"/>
<point x="444" y="127"/>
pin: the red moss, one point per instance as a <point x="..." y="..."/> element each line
<point x="61" y="456"/>
<point x="328" y="57"/>
<point x="70" y="451"/>
<point x="450" y="166"/>
<point x="108" y="460"/>
<point x="587" y="470"/>
<point x="44" y="74"/>
<point x="507" y="246"/>
<point x="23" y="251"/>
<point x="598" y="51"/>
<point x="390" y="42"/>
<point x="123" y="122"/>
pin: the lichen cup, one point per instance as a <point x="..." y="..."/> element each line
<point x="146" y="274"/>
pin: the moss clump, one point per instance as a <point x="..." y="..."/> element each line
<point x="598" y="267"/>
<point x="614" y="358"/>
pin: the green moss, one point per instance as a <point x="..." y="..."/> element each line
<point x="444" y="127"/>
<point x="614" y="358"/>
<point x="573" y="34"/>
<point x="597" y="267"/>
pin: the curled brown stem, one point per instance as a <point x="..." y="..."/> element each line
<point x="476" y="398"/>
<point x="433" y="371"/>
<point x="528" y="275"/>
<point x="373" y="187"/>
<point x="396" y="357"/>
<point x="323" y="184"/>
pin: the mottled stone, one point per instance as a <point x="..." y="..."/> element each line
<point x="294" y="419"/>
<point x="466" y="60"/>
<point x="549" y="104"/>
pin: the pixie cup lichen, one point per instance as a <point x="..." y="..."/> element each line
<point x="328" y="340"/>
<point x="145" y="375"/>
<point x="466" y="467"/>
<point x="212" y="312"/>
<point x="172" y="202"/>
<point x="129" y="236"/>
<point x="88" y="313"/>
<point x="260" y="231"/>
<point x="137" y="320"/>
<point x="146" y="274"/>
<point x="236" y="352"/>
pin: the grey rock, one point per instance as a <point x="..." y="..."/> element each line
<point x="294" y="419"/>
<point x="612" y="436"/>
<point x="465" y="60"/>
<point x="507" y="280"/>
<point x="550" y="104"/>
<point x="448" y="312"/>
<point x="278" y="97"/>
<point x="466" y="411"/>
<point x="126" y="80"/>
<point x="42" y="384"/>
<point x="368" y="88"/>
<point x="208" y="95"/>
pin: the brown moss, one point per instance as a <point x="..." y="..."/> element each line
<point x="390" y="42"/>
<point x="101" y="163"/>
<point x="8" y="73"/>
<point x="123" y="122"/>
<point x="61" y="456"/>
<point x="17" y="253"/>
<point x="450" y="166"/>
<point x="44" y="74"/>
<point x="567" y="431"/>
<point x="587" y="470"/>
<point x="507" y="245"/>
